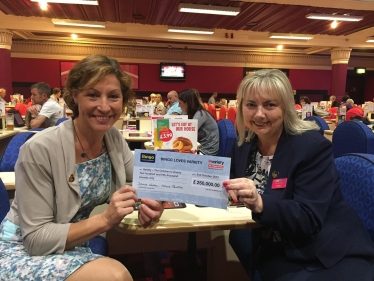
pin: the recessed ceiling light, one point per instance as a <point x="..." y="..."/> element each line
<point x="333" y="17"/>
<point x="334" y="24"/>
<point x="79" y="2"/>
<point x="370" y="40"/>
<point x="208" y="9"/>
<point x="79" y="23"/>
<point x="280" y="47"/>
<point x="74" y="36"/>
<point x="190" y="30"/>
<point x="290" y="36"/>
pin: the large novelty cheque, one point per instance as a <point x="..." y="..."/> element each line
<point x="181" y="177"/>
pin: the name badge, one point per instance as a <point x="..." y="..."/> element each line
<point x="279" y="183"/>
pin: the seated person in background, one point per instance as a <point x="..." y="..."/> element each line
<point x="283" y="170"/>
<point x="208" y="134"/>
<point x="56" y="94"/>
<point x="46" y="231"/>
<point x="153" y="99"/>
<point x="172" y="105"/>
<point x="212" y="100"/>
<point x="334" y="103"/>
<point x="45" y="112"/>
<point x="349" y="103"/>
<point x="316" y="111"/>
<point x="159" y="104"/>
<point x="2" y="94"/>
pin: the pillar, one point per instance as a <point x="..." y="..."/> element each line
<point x="5" y="62"/>
<point x="339" y="60"/>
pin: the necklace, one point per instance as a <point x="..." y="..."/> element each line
<point x="84" y="153"/>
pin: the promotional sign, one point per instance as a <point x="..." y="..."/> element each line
<point x="307" y="111"/>
<point x="175" y="134"/>
<point x="181" y="177"/>
<point x="144" y="110"/>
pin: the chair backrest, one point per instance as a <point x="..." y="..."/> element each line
<point x="355" y="111"/>
<point x="231" y="114"/>
<point x="227" y="136"/>
<point x="357" y="185"/>
<point x="62" y="119"/>
<point x="213" y="111"/>
<point x="21" y="108"/>
<point x="206" y="106"/>
<point x="4" y="201"/>
<point x="222" y="112"/>
<point x="333" y="111"/>
<point x="320" y="122"/>
<point x="352" y="137"/>
<point x="12" y="150"/>
<point x="298" y="106"/>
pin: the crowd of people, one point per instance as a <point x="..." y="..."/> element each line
<point x="282" y="170"/>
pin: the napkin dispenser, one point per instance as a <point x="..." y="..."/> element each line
<point x="2" y="122"/>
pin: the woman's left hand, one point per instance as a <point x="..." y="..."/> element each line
<point x="245" y="190"/>
<point x="150" y="212"/>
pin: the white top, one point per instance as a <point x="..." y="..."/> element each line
<point x="53" y="111"/>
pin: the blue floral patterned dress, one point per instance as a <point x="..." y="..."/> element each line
<point x="94" y="178"/>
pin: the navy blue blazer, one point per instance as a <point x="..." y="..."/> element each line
<point x="317" y="225"/>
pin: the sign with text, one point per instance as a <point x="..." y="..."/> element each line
<point x="175" y="134"/>
<point x="181" y="177"/>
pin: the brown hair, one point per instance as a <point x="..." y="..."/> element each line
<point x="90" y="71"/>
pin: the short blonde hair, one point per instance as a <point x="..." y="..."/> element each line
<point x="275" y="83"/>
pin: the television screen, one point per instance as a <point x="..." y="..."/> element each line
<point x="173" y="71"/>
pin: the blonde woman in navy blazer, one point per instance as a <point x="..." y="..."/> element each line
<point x="283" y="170"/>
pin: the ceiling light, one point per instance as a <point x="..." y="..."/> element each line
<point x="81" y="2"/>
<point x="290" y="36"/>
<point x="74" y="36"/>
<point x="79" y="23"/>
<point x="43" y="5"/>
<point x="190" y="30"/>
<point x="334" y="24"/>
<point x="370" y="40"/>
<point x="333" y="17"/>
<point x="208" y="9"/>
<point x="280" y="47"/>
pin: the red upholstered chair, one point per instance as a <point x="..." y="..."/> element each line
<point x="213" y="111"/>
<point x="354" y="111"/>
<point x="333" y="111"/>
<point x="21" y="108"/>
<point x="223" y="112"/>
<point x="298" y="106"/>
<point x="206" y="106"/>
<point x="231" y="114"/>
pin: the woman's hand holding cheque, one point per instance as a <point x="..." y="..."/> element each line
<point x="244" y="190"/>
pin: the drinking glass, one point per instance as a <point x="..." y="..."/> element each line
<point x="9" y="119"/>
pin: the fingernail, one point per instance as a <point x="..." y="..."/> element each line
<point x="224" y="183"/>
<point x="235" y="201"/>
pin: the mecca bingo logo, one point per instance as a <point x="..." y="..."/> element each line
<point x="147" y="157"/>
<point x="215" y="164"/>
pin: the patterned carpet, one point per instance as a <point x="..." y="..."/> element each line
<point x="163" y="266"/>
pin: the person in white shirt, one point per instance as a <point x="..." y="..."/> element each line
<point x="45" y="112"/>
<point x="56" y="94"/>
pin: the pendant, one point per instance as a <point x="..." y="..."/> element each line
<point x="83" y="154"/>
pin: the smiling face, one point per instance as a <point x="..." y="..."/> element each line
<point x="184" y="106"/>
<point x="263" y="114"/>
<point x="100" y="106"/>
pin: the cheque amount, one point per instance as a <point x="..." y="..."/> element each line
<point x="197" y="182"/>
